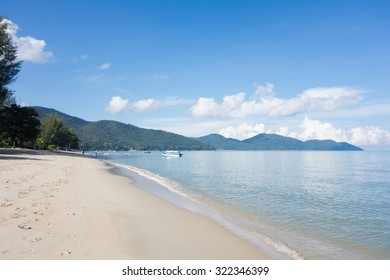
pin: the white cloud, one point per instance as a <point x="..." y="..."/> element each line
<point x="265" y="91"/>
<point x="185" y="125"/>
<point x="369" y="136"/>
<point x="285" y="131"/>
<point x="29" y="48"/>
<point x="208" y="107"/>
<point x="33" y="50"/>
<point x="312" y="129"/>
<point x="105" y="66"/>
<point x="145" y="104"/>
<point x="265" y="103"/>
<point x="205" y="107"/>
<point x="242" y="131"/>
<point x="317" y="99"/>
<point x="117" y="104"/>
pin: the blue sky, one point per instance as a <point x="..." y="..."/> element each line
<point x="307" y="69"/>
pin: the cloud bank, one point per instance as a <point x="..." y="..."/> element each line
<point x="313" y="129"/>
<point x="29" y="48"/>
<point x="265" y="102"/>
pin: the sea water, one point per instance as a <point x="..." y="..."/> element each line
<point x="299" y="204"/>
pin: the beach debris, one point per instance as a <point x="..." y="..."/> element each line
<point x="24" y="227"/>
<point x="36" y="239"/>
<point x="6" y="203"/>
<point x="68" y="252"/>
<point x="22" y="194"/>
<point x="17" y="216"/>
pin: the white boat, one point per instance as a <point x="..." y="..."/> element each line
<point x="171" y="153"/>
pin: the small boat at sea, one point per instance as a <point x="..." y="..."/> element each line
<point x="171" y="153"/>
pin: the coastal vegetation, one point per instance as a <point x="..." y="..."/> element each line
<point x="9" y="64"/>
<point x="19" y="126"/>
<point x="54" y="133"/>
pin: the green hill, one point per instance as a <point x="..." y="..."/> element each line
<point x="221" y="143"/>
<point x="112" y="135"/>
<point x="265" y="141"/>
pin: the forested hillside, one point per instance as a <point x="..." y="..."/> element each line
<point x="265" y="141"/>
<point x="112" y="135"/>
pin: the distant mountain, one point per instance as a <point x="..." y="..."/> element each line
<point x="330" y="145"/>
<point x="265" y="141"/>
<point x="112" y="135"/>
<point x="221" y="143"/>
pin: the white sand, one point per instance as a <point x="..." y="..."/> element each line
<point x="55" y="206"/>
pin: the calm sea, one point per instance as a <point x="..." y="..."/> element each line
<point x="310" y="205"/>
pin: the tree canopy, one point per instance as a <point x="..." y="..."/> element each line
<point x="9" y="64"/>
<point x="55" y="132"/>
<point x="19" y="126"/>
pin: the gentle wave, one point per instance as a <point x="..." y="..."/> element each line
<point x="275" y="248"/>
<point x="165" y="182"/>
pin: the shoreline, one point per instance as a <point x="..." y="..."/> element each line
<point x="65" y="206"/>
<point x="147" y="181"/>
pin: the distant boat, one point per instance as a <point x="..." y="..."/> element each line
<point x="171" y="153"/>
<point x="147" y="152"/>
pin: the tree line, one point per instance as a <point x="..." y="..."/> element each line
<point x="20" y="126"/>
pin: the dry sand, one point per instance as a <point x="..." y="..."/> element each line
<point x="55" y="206"/>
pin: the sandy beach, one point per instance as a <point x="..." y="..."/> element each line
<point x="56" y="206"/>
